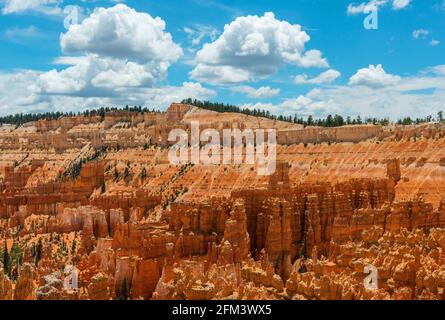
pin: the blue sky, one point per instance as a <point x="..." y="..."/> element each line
<point x="290" y="57"/>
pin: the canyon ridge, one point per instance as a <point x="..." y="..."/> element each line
<point x="97" y="194"/>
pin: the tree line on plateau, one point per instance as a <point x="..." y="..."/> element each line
<point x="329" y="121"/>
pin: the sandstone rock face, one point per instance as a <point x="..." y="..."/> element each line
<point x="235" y="239"/>
<point x="99" y="194"/>
<point x="100" y="287"/>
<point x="393" y="169"/>
<point x="5" y="287"/>
<point x="25" y="287"/>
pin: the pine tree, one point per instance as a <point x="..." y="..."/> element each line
<point x="116" y="174"/>
<point x="127" y="174"/>
<point x="310" y="121"/>
<point x="143" y="174"/>
<point x="124" y="290"/>
<point x="38" y="252"/>
<point x="6" y="260"/>
<point x="73" y="247"/>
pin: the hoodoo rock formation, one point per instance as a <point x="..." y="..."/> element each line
<point x="98" y="194"/>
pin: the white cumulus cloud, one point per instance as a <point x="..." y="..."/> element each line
<point x="119" y="47"/>
<point x="302" y="105"/>
<point x="415" y="96"/>
<point x="43" y="6"/>
<point x="373" y="76"/>
<point x="86" y="75"/>
<point x="21" y="95"/>
<point x="254" y="47"/>
<point x="260" y="93"/>
<point x="400" y="4"/>
<point x="371" y="5"/>
<point x="115" y="56"/>
<point x="365" y="7"/>
<point x="122" y="32"/>
<point x="328" y="76"/>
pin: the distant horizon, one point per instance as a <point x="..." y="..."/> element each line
<point x="306" y="57"/>
<point x="306" y="121"/>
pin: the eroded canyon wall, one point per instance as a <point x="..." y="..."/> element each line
<point x="99" y="193"/>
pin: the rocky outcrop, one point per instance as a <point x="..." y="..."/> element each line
<point x="25" y="289"/>
<point x="235" y="242"/>
<point x="100" y="287"/>
<point x="5" y="287"/>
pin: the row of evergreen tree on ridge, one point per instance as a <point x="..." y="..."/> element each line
<point x="329" y="121"/>
<point x="22" y="118"/>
